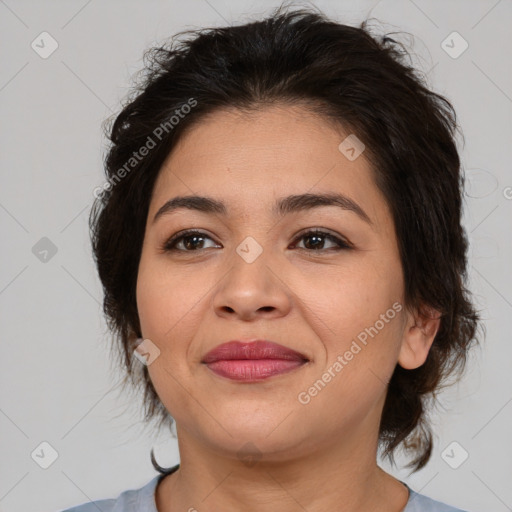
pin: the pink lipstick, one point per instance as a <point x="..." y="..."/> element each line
<point x="254" y="361"/>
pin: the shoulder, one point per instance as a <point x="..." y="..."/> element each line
<point x="420" y="503"/>
<point x="131" y="500"/>
<point x="94" y="506"/>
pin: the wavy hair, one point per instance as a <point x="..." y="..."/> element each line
<point x="347" y="75"/>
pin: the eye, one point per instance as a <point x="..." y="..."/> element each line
<point x="317" y="238"/>
<point x="192" y="240"/>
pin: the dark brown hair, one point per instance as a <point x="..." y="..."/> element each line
<point x="343" y="73"/>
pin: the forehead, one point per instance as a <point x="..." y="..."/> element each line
<point x="249" y="160"/>
<point x="272" y="135"/>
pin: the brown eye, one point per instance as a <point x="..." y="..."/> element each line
<point x="190" y="241"/>
<point x="316" y="241"/>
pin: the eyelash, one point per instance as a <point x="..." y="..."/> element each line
<point x="170" y="244"/>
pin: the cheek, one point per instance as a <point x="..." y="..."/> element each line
<point x="158" y="299"/>
<point x="364" y="319"/>
<point x="169" y="300"/>
<point x="358" y="312"/>
<point x="348" y="299"/>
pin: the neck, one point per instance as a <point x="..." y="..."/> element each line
<point x="325" y="478"/>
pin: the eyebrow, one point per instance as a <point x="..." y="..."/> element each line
<point x="284" y="206"/>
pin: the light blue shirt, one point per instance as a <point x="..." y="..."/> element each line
<point x="143" y="500"/>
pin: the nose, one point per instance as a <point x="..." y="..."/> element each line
<point x="252" y="289"/>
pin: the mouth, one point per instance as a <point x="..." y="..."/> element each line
<point x="254" y="361"/>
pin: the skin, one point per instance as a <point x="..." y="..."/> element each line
<point x="317" y="456"/>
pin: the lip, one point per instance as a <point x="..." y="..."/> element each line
<point x="252" y="361"/>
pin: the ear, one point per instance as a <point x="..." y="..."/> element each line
<point x="419" y="333"/>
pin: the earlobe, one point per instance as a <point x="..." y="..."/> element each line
<point x="419" y="334"/>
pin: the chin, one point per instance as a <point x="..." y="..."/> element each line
<point x="256" y="439"/>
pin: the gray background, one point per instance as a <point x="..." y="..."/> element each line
<point x="57" y="382"/>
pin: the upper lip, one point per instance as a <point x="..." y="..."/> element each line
<point x="256" y="349"/>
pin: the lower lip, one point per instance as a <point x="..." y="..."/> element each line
<point x="249" y="370"/>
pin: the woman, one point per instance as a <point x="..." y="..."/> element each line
<point x="280" y="245"/>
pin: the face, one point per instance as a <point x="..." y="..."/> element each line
<point x="325" y="281"/>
